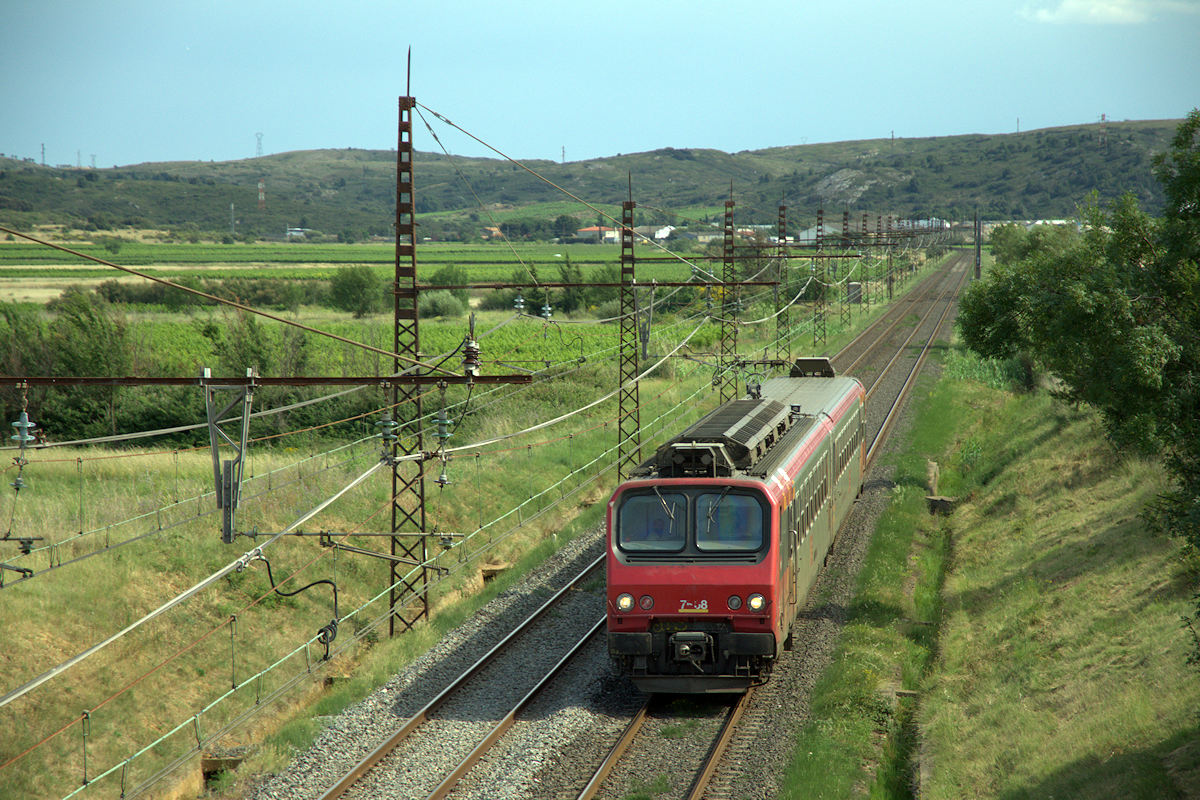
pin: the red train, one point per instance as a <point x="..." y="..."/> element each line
<point x="714" y="543"/>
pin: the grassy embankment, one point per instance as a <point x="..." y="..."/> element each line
<point x="1029" y="644"/>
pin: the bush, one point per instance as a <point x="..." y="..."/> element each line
<point x="440" y="303"/>
<point x="357" y="290"/>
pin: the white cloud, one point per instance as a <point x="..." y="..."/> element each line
<point x="1106" y="12"/>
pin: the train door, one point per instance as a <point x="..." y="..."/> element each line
<point x="791" y="536"/>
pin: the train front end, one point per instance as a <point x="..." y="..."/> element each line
<point x="692" y="597"/>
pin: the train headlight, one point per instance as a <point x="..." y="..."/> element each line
<point x="625" y="602"/>
<point x="646" y="602"/>
<point x="756" y="602"/>
<point x="734" y="602"/>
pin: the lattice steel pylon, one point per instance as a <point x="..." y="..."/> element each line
<point x="820" y="289"/>
<point x="783" y="328"/>
<point x="844" y="305"/>
<point x="864" y="247"/>
<point x="728" y="356"/>
<point x="408" y="541"/>
<point x="629" y="431"/>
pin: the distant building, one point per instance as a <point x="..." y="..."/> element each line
<point x="599" y="234"/>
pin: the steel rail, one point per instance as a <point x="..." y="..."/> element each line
<point x="614" y="754"/>
<point x="709" y="767"/>
<point x="375" y="756"/>
<point x="721" y="743"/>
<point x="892" y="317"/>
<point x="448" y="784"/>
<point x="908" y="340"/>
<point x="620" y="747"/>
<point x="914" y="372"/>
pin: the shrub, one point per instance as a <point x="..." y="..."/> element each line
<point x="440" y="303"/>
<point x="357" y="290"/>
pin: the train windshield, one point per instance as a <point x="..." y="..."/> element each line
<point x="728" y="523"/>
<point x="655" y="522"/>
<point x="717" y="521"/>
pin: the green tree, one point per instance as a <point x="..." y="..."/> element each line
<point x="451" y="275"/>
<point x="572" y="297"/>
<point x="357" y="290"/>
<point x="25" y="349"/>
<point x="1008" y="242"/>
<point x="88" y="338"/>
<point x="1114" y="314"/>
<point x="565" y="225"/>
<point x="1176" y="284"/>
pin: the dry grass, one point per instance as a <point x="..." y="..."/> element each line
<point x="1062" y="670"/>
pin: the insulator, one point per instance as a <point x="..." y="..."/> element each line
<point x="470" y="362"/>
<point x="22" y="437"/>
<point x="326" y="635"/>
<point x="443" y="431"/>
<point x="387" y="429"/>
<point x="519" y="303"/>
<point x="443" y="479"/>
<point x="546" y="313"/>
<point x="19" y="483"/>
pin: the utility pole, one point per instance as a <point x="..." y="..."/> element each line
<point x="820" y="288"/>
<point x="629" y="436"/>
<point x="409" y="541"/>
<point x="783" y="329"/>
<point x="978" y="246"/>
<point x="727" y="377"/>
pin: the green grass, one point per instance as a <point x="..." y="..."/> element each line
<point x="493" y="262"/>
<point x="1055" y="663"/>
<point x="648" y="791"/>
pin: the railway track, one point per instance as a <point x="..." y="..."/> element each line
<point x="370" y="776"/>
<point x="899" y="343"/>
<point x="642" y="742"/>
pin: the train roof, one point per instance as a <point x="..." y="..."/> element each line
<point x="738" y="435"/>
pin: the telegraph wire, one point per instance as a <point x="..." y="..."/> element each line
<point x="248" y="558"/>
<point x="478" y="201"/>
<point x="549" y="182"/>
<point x="238" y="564"/>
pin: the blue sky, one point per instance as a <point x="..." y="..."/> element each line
<point x="130" y="81"/>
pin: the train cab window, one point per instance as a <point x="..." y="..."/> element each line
<point x="653" y="523"/>
<point x="728" y="523"/>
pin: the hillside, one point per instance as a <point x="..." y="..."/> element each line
<point x="1036" y="174"/>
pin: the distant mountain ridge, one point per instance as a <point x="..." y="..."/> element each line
<point x="1034" y="174"/>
